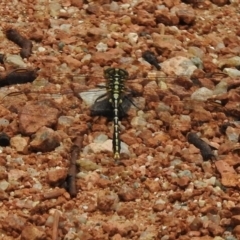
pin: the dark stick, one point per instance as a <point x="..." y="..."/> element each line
<point x="21" y="41"/>
<point x="71" y="177"/>
<point x="18" y="76"/>
<point x="204" y="148"/>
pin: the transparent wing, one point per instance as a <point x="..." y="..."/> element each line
<point x="89" y="88"/>
<point x="74" y="96"/>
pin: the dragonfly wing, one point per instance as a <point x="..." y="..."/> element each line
<point x="90" y="97"/>
<point x="105" y="108"/>
<point x="125" y="105"/>
<point x="102" y="108"/>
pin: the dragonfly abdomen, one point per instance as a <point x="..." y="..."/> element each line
<point x="116" y="86"/>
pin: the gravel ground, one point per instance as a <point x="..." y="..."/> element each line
<point x="178" y="176"/>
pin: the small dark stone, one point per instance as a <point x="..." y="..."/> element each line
<point x="4" y="139"/>
<point x="151" y="58"/>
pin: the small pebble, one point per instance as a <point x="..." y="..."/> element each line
<point x="41" y="49"/>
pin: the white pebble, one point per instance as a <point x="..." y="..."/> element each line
<point x="102" y="47"/>
<point x="138" y="122"/>
<point x="15" y="60"/>
<point x="210" y="181"/>
<point x="133" y="37"/>
<point x="41" y="49"/>
<point x="201" y="203"/>
<point x="202" y="94"/>
<point x="125" y="6"/>
<point x="37" y="185"/>
<point x="4" y="185"/>
<point x="4" y="122"/>
<point x="114" y="6"/>
<point x="219" y="204"/>
<point x="86" y="58"/>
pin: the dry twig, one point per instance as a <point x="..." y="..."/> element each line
<point x="204" y="148"/>
<point x="55" y="225"/>
<point x="24" y="43"/>
<point x="18" y="76"/>
<point x="71" y="177"/>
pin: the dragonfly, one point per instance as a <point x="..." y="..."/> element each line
<point x="150" y="103"/>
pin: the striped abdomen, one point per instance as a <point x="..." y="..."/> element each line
<point x="115" y="86"/>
